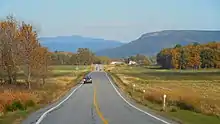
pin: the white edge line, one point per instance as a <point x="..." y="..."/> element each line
<point x="51" y="109"/>
<point x="133" y="105"/>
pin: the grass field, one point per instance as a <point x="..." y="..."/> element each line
<point x="192" y="96"/>
<point x="59" y="81"/>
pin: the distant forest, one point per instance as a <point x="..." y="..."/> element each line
<point x="193" y="56"/>
<point x="83" y="56"/>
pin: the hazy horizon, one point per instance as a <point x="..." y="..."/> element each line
<point x="117" y="40"/>
<point x="113" y="20"/>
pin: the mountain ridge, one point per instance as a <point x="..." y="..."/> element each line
<point x="72" y="43"/>
<point x="151" y="43"/>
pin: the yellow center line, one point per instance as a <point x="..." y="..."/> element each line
<point x="97" y="108"/>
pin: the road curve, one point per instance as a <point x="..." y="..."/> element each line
<point x="96" y="103"/>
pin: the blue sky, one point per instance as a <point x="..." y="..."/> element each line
<point x="123" y="20"/>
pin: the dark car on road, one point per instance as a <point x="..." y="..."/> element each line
<point x="87" y="79"/>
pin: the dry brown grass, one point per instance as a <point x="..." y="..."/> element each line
<point x="63" y="80"/>
<point x="200" y="96"/>
<point x="8" y="96"/>
<point x="192" y="95"/>
<point x="55" y="86"/>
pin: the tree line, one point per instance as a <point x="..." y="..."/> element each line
<point x="193" y="56"/>
<point x="21" y="52"/>
<point x="83" y="56"/>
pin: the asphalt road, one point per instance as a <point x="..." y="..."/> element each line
<point x="96" y="103"/>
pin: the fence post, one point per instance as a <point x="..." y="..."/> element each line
<point x="143" y="95"/>
<point x="133" y="87"/>
<point x="164" y="102"/>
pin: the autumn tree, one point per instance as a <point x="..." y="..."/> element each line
<point x="164" y="58"/>
<point x="85" y="56"/>
<point x="207" y="58"/>
<point x="42" y="61"/>
<point x="21" y="51"/>
<point x="193" y="56"/>
<point x="29" y="45"/>
<point x="183" y="60"/>
<point x="9" y="48"/>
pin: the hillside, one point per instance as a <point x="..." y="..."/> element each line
<point x="72" y="43"/>
<point x="152" y="43"/>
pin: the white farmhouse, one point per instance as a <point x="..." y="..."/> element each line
<point x="116" y="62"/>
<point x="132" y="63"/>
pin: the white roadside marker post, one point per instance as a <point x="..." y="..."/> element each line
<point x="143" y="95"/>
<point x="164" y="102"/>
<point x="133" y="87"/>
